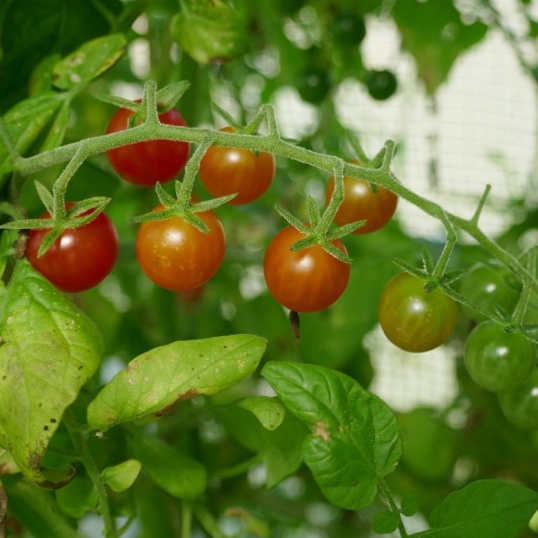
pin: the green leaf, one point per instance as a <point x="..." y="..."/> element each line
<point x="58" y="128"/>
<point x="89" y="61"/>
<point x="167" y="374"/>
<point x="385" y="522"/>
<point x="410" y="505"/>
<point x="122" y="476"/>
<point x="280" y="449"/>
<point x="24" y="122"/>
<point x="533" y="523"/>
<point x="35" y="508"/>
<point x="41" y="78"/>
<point x="483" y="509"/>
<point x="210" y="30"/>
<point x="176" y="473"/>
<point x="50" y="349"/>
<point x="7" y="463"/>
<point x="269" y="411"/>
<point x="434" y="33"/>
<point x="78" y="497"/>
<point x="353" y="434"/>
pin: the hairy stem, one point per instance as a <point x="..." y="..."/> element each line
<point x="278" y="147"/>
<point x="186" y="520"/>
<point x="394" y="508"/>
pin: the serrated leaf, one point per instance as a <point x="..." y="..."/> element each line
<point x="176" y="473"/>
<point x="164" y="375"/>
<point x="353" y="434"/>
<point x="50" y="349"/>
<point x="78" y="497"/>
<point x="269" y="411"/>
<point x="24" y="123"/>
<point x="483" y="509"/>
<point x="385" y="522"/>
<point x="122" y="476"/>
<point x="89" y="61"/>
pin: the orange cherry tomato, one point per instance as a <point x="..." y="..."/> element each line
<point x="304" y="280"/>
<point x="177" y="256"/>
<point x="235" y="170"/>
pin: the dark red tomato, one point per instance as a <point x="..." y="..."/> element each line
<point x="234" y="170"/>
<point x="177" y="256"/>
<point x="498" y="360"/>
<point x="415" y="319"/>
<point x="146" y="163"/>
<point x="80" y="258"/>
<point x="361" y="202"/>
<point x="520" y="404"/>
<point x="304" y="280"/>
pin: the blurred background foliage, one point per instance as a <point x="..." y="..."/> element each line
<point x="239" y="55"/>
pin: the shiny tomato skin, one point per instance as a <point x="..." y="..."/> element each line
<point x="146" y="163"/>
<point x="362" y="203"/>
<point x="226" y="170"/>
<point x="414" y="319"/>
<point x="497" y="360"/>
<point x="80" y="258"/>
<point x="177" y="256"/>
<point x="520" y="404"/>
<point x="304" y="280"/>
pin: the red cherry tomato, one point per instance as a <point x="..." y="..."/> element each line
<point x="80" y="258"/>
<point x="146" y="163"/>
<point x="415" y="319"/>
<point x="234" y="170"/>
<point x="361" y="202"/>
<point x="177" y="256"/>
<point x="304" y="280"/>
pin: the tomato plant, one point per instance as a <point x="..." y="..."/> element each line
<point x="235" y="170"/>
<point x="80" y="258"/>
<point x="413" y="318"/>
<point x="303" y="280"/>
<point x="497" y="359"/>
<point x="520" y="404"/>
<point x="177" y="256"/>
<point x="146" y="163"/>
<point x="363" y="201"/>
<point x="381" y="84"/>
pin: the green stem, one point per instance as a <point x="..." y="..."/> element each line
<point x="186" y="520"/>
<point x="383" y="486"/>
<point x="238" y="469"/>
<point x="521" y="308"/>
<point x="277" y="147"/>
<point x="80" y="444"/>
<point x="208" y="522"/>
<point x="60" y="185"/>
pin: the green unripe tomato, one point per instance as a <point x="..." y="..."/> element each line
<point x="498" y="360"/>
<point x="520" y="405"/>
<point x="415" y="319"/>
<point x="313" y="84"/>
<point x="487" y="287"/>
<point x="381" y="84"/>
<point x="348" y="29"/>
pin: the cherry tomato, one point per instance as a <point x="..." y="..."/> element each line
<point x="488" y="287"/>
<point x="361" y="202"/>
<point x="80" y="258"/>
<point x="176" y="255"/>
<point x="234" y="170"/>
<point x="146" y="163"/>
<point x="303" y="280"/>
<point x="520" y="404"/>
<point x="348" y="29"/>
<point x="381" y="84"/>
<point x="314" y="84"/>
<point x="415" y="319"/>
<point x="497" y="360"/>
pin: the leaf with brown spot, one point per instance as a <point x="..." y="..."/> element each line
<point x="46" y="339"/>
<point x="354" y="438"/>
<point x="158" y="378"/>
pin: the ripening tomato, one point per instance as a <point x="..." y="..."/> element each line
<point x="146" y="163"/>
<point x="80" y="258"/>
<point x="235" y="170"/>
<point x="488" y="287"/>
<point x="415" y="319"/>
<point x="520" y="404"/>
<point x="498" y="360"/>
<point x="176" y="255"/>
<point x="362" y="202"/>
<point x="304" y="280"/>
